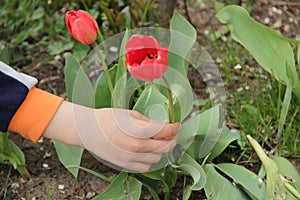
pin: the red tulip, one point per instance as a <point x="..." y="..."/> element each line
<point x="82" y="26"/>
<point x="145" y="58"/>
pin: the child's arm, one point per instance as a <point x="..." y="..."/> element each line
<point x="24" y="108"/>
<point x="123" y="137"/>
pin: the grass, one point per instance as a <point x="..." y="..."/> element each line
<point x="255" y="100"/>
<point x="6" y="190"/>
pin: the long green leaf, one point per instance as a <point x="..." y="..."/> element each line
<point x="68" y="154"/>
<point x="218" y="187"/>
<point x="250" y="182"/>
<point x="10" y="153"/>
<point x="152" y="104"/>
<point x="270" y="168"/>
<point x="183" y="36"/>
<point x="200" y="133"/>
<point x="123" y="187"/>
<point x="285" y="108"/>
<point x="287" y="170"/>
<point x="101" y="90"/>
<point x="270" y="49"/>
<point x="187" y="164"/>
<point x="223" y="141"/>
<point x="151" y="184"/>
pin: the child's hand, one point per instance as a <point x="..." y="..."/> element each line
<point x="123" y="137"/>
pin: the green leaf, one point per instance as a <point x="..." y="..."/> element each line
<point x="10" y="153"/>
<point x="80" y="50"/>
<point x="183" y="37"/>
<point x="59" y="46"/>
<point x="5" y="54"/>
<point x="151" y="184"/>
<point x="182" y="93"/>
<point x="120" y="94"/>
<point x="38" y="13"/>
<point x="152" y="104"/>
<point x="250" y="182"/>
<point x="187" y="164"/>
<point x="78" y="91"/>
<point x="270" y="49"/>
<point x="286" y="168"/>
<point x="167" y="176"/>
<point x="122" y="68"/>
<point x="285" y="108"/>
<point x="218" y="187"/>
<point x="122" y="187"/>
<point x="223" y="141"/>
<point x="69" y="155"/>
<point x="273" y="179"/>
<point x="298" y="60"/>
<point x="200" y="133"/>
<point x="102" y="93"/>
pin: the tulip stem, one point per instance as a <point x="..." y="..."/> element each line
<point x="105" y="69"/>
<point x="171" y="105"/>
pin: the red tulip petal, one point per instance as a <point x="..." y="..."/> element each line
<point x="82" y="26"/>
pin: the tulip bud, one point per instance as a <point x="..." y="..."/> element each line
<point x="82" y="26"/>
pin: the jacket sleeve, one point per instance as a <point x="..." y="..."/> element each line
<point x="24" y="108"/>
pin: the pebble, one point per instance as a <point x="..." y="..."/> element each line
<point x="45" y="165"/>
<point x="238" y="66"/>
<point x="286" y="28"/>
<point x="206" y="32"/>
<point x="90" y="195"/>
<point x="61" y="187"/>
<point x="240" y="89"/>
<point x="41" y="140"/>
<point x="267" y="20"/>
<point x="277" y="24"/>
<point x="57" y="57"/>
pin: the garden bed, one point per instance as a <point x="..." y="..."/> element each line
<point x="51" y="180"/>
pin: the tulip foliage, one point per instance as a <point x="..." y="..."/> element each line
<point x="203" y="136"/>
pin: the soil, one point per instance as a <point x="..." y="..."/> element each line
<point x="50" y="180"/>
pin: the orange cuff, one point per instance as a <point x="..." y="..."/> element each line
<point x="34" y="114"/>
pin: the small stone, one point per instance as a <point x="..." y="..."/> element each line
<point x="291" y="20"/>
<point x="238" y="66"/>
<point x="224" y="38"/>
<point x="267" y="20"/>
<point x="61" y="187"/>
<point x="286" y="28"/>
<point x="240" y="89"/>
<point x="90" y="195"/>
<point x="41" y="140"/>
<point x="218" y="60"/>
<point x="45" y="165"/>
<point x="277" y="24"/>
<point x="206" y="32"/>
<point x="57" y="57"/>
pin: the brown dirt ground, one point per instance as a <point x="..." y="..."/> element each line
<point x="46" y="181"/>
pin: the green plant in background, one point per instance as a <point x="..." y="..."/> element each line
<point x="10" y="153"/>
<point x="273" y="52"/>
